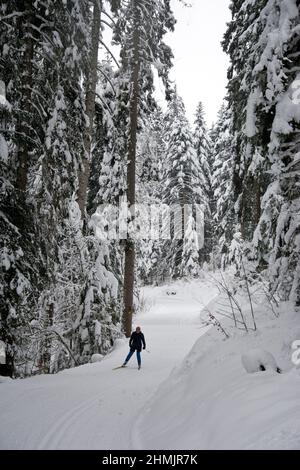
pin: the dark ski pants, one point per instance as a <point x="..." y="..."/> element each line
<point x="138" y="356"/>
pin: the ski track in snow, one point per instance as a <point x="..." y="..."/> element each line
<point x="57" y="432"/>
<point x="93" y="406"/>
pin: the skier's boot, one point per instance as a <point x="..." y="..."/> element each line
<point x="124" y="365"/>
<point x="139" y="366"/>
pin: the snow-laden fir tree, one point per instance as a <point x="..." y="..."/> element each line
<point x="263" y="43"/>
<point x="19" y="277"/>
<point x="222" y="173"/>
<point x="151" y="156"/>
<point x="203" y="150"/>
<point x="41" y="68"/>
<point x="55" y="175"/>
<point x="184" y="187"/>
<point x="107" y="180"/>
<point x="240" y="38"/>
<point x="275" y="98"/>
<point x="53" y="268"/>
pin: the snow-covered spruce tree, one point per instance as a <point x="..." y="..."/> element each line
<point x="99" y="313"/>
<point x="64" y="51"/>
<point x="108" y="176"/>
<point x="46" y="260"/>
<point x="184" y="186"/>
<point x="96" y="313"/>
<point x="90" y="76"/>
<point x="106" y="187"/>
<point x="151" y="152"/>
<point x="151" y="155"/>
<point x="109" y="150"/>
<point x="17" y="275"/>
<point x="248" y="183"/>
<point x="203" y="150"/>
<point x="23" y="29"/>
<point x="141" y="27"/>
<point x="275" y="91"/>
<point x="263" y="42"/>
<point x="222" y="172"/>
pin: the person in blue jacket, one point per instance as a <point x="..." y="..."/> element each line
<point x="136" y="342"/>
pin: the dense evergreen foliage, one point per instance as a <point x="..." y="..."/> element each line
<point x="79" y="131"/>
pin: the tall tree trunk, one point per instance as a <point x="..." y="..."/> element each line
<point x="129" y="246"/>
<point x="91" y="81"/>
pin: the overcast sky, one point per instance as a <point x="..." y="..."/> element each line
<point x="200" y="65"/>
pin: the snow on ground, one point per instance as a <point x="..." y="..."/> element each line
<point x="211" y="402"/>
<point x="193" y="392"/>
<point x="93" y="406"/>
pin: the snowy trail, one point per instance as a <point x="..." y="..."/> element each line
<point x="93" y="406"/>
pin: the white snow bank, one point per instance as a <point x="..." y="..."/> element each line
<point x="4" y="379"/>
<point x="211" y="402"/>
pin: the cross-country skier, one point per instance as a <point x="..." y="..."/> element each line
<point x="137" y="340"/>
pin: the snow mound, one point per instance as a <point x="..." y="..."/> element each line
<point x="96" y="358"/>
<point x="257" y="360"/>
<point x="4" y="379"/>
<point x="209" y="402"/>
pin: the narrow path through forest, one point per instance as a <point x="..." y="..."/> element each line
<point x="93" y="406"/>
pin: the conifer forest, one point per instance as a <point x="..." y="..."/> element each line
<point x="82" y="132"/>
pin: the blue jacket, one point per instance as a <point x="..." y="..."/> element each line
<point x="136" y="341"/>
